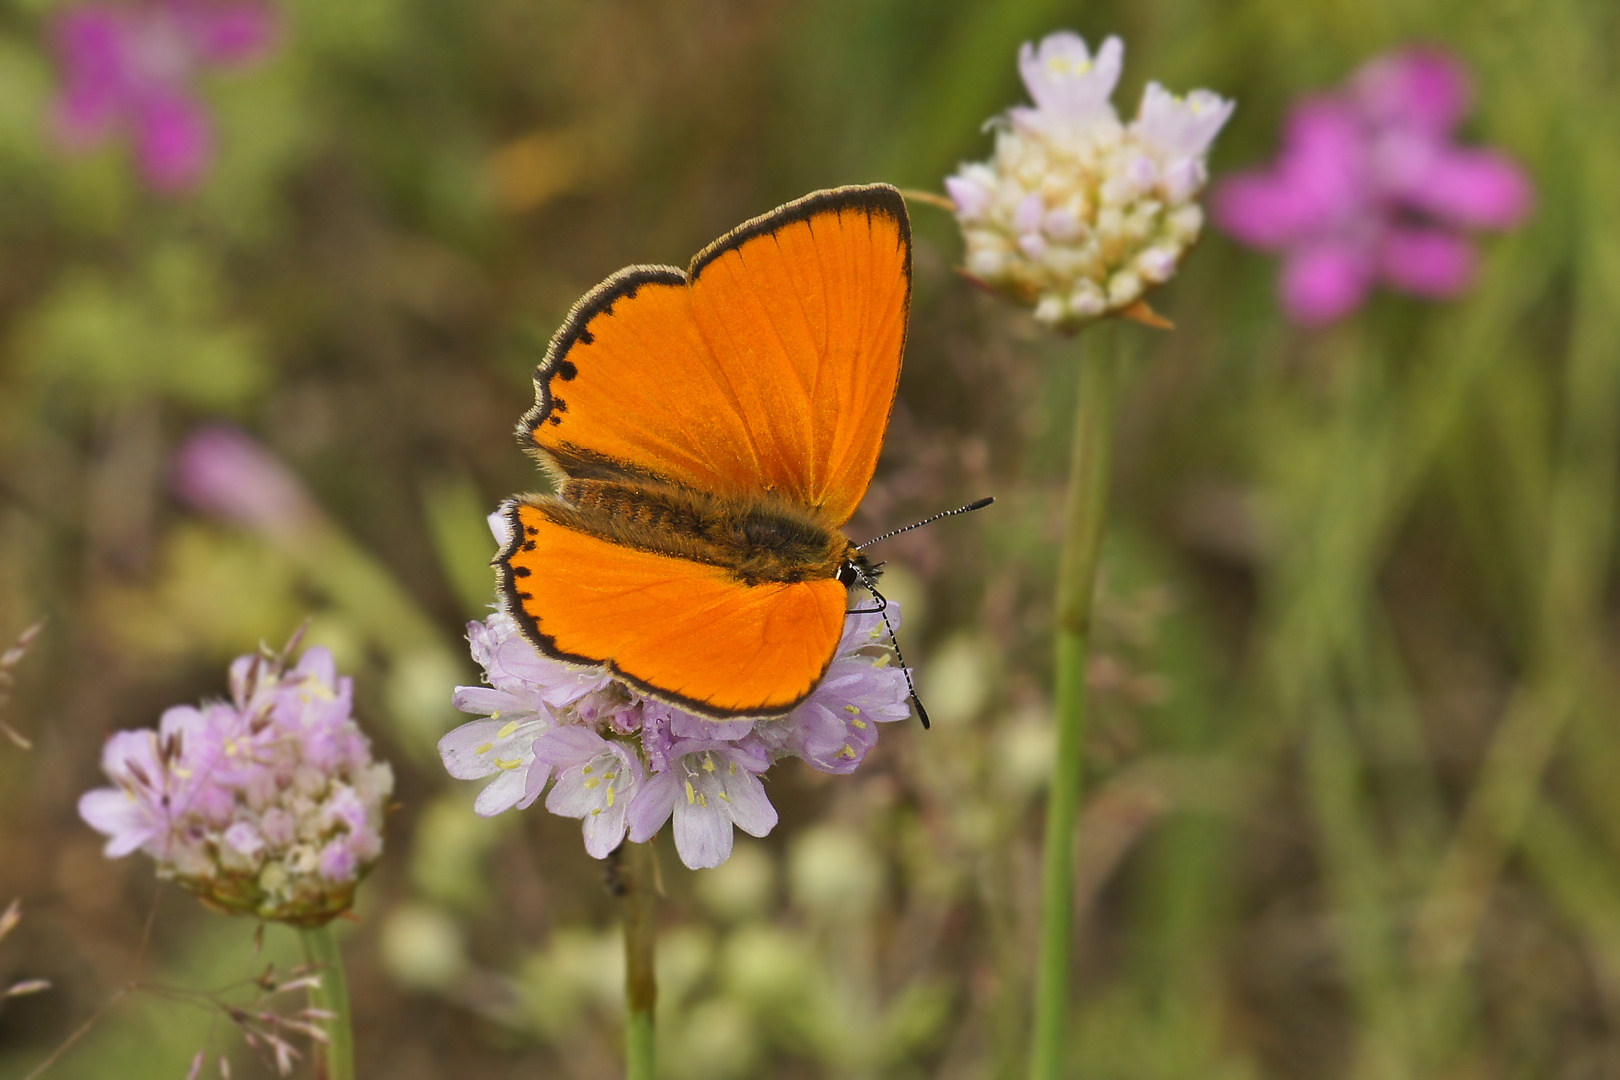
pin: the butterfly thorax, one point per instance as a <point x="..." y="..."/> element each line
<point x="759" y="539"/>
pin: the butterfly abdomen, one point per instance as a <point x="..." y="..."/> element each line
<point x="758" y="541"/>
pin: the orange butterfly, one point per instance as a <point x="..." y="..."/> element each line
<point x="710" y="433"/>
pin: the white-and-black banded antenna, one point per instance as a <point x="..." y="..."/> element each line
<point x="883" y="610"/>
<point x="978" y="504"/>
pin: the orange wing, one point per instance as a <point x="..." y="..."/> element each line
<point x="770" y="366"/>
<point x="685" y="632"/>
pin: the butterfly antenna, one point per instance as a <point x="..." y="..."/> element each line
<point x="883" y="610"/>
<point x="978" y="504"/>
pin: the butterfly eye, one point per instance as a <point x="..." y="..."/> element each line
<point x="848" y="574"/>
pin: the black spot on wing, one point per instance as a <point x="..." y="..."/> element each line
<point x="876" y="200"/>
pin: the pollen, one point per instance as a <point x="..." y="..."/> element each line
<point x="856" y="709"/>
<point x="591" y="784"/>
<point x="848" y="751"/>
<point x="860" y="724"/>
<point x="509" y="763"/>
<point x="691" y="795"/>
<point x="485" y="748"/>
<point x="708" y="763"/>
<point x="507" y="729"/>
<point x="610" y="795"/>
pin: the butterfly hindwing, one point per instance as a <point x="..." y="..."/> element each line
<point x="689" y="633"/>
<point x="769" y="368"/>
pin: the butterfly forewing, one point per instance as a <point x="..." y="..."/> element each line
<point x="809" y="306"/>
<point x="773" y="370"/>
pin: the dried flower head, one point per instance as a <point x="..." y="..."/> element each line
<point x="1370" y="188"/>
<point x="8" y="661"/>
<point x="268" y="804"/>
<point x="1078" y="214"/>
<point x="625" y="764"/>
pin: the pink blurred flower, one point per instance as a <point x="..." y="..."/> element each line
<point x="1371" y="188"/>
<point x="223" y="472"/>
<point x="132" y="69"/>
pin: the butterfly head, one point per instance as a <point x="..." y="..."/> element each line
<point x="857" y="569"/>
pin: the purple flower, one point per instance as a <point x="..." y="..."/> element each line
<point x="597" y="780"/>
<point x="269" y="804"/>
<point x="624" y="763"/>
<point x="710" y="787"/>
<point x="133" y="68"/>
<point x="1370" y="188"/>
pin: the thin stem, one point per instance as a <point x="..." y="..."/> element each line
<point x="332" y="995"/>
<point x="639" y="877"/>
<point x="1087" y="509"/>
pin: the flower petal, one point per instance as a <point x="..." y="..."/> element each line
<point x="652" y="806"/>
<point x="1065" y="80"/>
<point x="465" y="750"/>
<point x="1478" y="188"/>
<point x="503" y="793"/>
<point x="750" y="807"/>
<point x="173" y="142"/>
<point x="1426" y="88"/>
<point x="703" y="835"/>
<point x="1428" y="262"/>
<point x="1325" y="282"/>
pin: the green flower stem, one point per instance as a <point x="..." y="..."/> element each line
<point x="321" y="950"/>
<point x="1087" y="510"/>
<point x="639" y="875"/>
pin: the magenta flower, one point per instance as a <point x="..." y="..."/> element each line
<point x="268" y="804"/>
<point x="133" y="68"/>
<point x="1371" y="188"/>
<point x="625" y="764"/>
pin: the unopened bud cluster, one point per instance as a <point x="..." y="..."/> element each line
<point x="267" y="805"/>
<point x="1078" y="214"/>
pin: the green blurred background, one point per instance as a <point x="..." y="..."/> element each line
<point x="1354" y="800"/>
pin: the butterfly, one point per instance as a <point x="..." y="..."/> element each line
<point x="710" y="433"/>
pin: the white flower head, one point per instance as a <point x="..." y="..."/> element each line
<point x="1075" y="214"/>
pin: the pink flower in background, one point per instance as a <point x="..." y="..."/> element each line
<point x="133" y="68"/>
<point x="223" y="472"/>
<point x="1371" y="188"/>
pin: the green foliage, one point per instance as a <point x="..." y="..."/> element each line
<point x="1351" y="809"/>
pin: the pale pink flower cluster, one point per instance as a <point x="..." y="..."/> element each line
<point x="1078" y="214"/>
<point x="268" y="804"/>
<point x="625" y="763"/>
